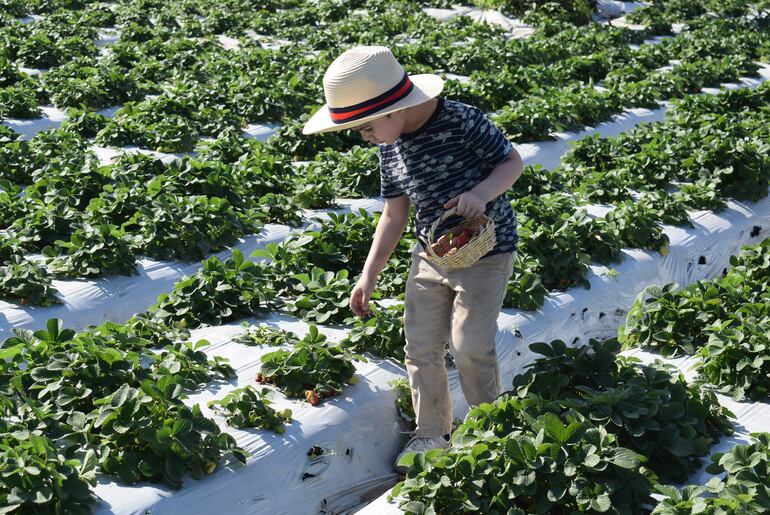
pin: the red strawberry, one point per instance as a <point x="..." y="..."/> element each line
<point x="443" y="245"/>
<point x="329" y="393"/>
<point x="312" y="397"/>
<point x="460" y="240"/>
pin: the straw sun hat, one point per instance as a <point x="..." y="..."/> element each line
<point x="365" y="83"/>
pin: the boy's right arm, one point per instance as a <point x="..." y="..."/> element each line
<point x="389" y="230"/>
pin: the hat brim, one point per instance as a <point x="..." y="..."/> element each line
<point x="426" y="86"/>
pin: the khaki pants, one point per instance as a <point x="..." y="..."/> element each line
<point x="460" y="307"/>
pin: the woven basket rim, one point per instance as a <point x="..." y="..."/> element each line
<point x="474" y="250"/>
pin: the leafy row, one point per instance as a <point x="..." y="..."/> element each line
<point x="742" y="490"/>
<point x="723" y="321"/>
<point x="109" y="399"/>
<point x="599" y="439"/>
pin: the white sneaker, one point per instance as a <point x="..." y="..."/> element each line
<point x="420" y="444"/>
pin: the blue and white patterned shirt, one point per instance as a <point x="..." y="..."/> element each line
<point x="453" y="151"/>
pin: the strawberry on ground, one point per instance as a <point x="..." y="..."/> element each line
<point x="312" y="397"/>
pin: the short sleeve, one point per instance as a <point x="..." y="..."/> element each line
<point x="484" y="138"/>
<point x="388" y="186"/>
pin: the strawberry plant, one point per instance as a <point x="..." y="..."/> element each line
<point x="701" y="194"/>
<point x="92" y="251"/>
<point x="15" y="8"/>
<point x="84" y="122"/>
<point x="650" y="409"/>
<point x="39" y="477"/>
<point x="248" y="407"/>
<point x="44" y="223"/>
<point x="321" y="296"/>
<point x="135" y="169"/>
<point x="288" y="140"/>
<point x="314" y="365"/>
<point x="155" y="125"/>
<point x="285" y="260"/>
<point x="39" y="50"/>
<point x="558" y="251"/>
<point x="187" y="228"/>
<point x="671" y="320"/>
<point x="598" y="240"/>
<point x="382" y="333"/>
<point x="229" y="146"/>
<point x="637" y="227"/>
<point x="566" y="108"/>
<point x="71" y="376"/>
<point x="70" y="370"/>
<point x="722" y="321"/>
<point x="340" y="242"/>
<point x="280" y="209"/>
<point x="189" y="365"/>
<point x="147" y="433"/>
<point x="265" y="335"/>
<point x="92" y="83"/>
<point x="743" y="489"/>
<point x="354" y="174"/>
<point x="207" y="107"/>
<point x="19" y="101"/>
<point x="695" y="143"/>
<point x="313" y="190"/>
<point x="79" y="178"/>
<point x="217" y="293"/>
<point x="17" y="158"/>
<point x="735" y="356"/>
<point x="525" y="289"/>
<point x="404" y="400"/>
<point x="536" y="180"/>
<point x="10" y="203"/>
<point x="753" y="263"/>
<point x="392" y="279"/>
<point x="664" y="207"/>
<point x="142" y="331"/>
<point x="189" y="176"/>
<point x="552" y="464"/>
<point x="26" y="282"/>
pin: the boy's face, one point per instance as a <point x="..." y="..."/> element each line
<point x="385" y="130"/>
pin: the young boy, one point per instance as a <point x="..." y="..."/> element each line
<point x="438" y="154"/>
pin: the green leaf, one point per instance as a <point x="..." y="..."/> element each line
<point x="624" y="458"/>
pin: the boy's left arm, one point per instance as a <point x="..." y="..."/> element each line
<point x="473" y="203"/>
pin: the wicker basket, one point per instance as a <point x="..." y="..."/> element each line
<point x="469" y="253"/>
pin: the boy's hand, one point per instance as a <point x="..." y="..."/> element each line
<point x="359" y="297"/>
<point x="469" y="204"/>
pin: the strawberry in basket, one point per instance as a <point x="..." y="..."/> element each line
<point x="449" y="243"/>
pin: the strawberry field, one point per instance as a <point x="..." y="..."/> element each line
<point x="177" y="260"/>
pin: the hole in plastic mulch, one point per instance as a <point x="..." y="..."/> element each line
<point x="755" y="231"/>
<point x="702" y="260"/>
